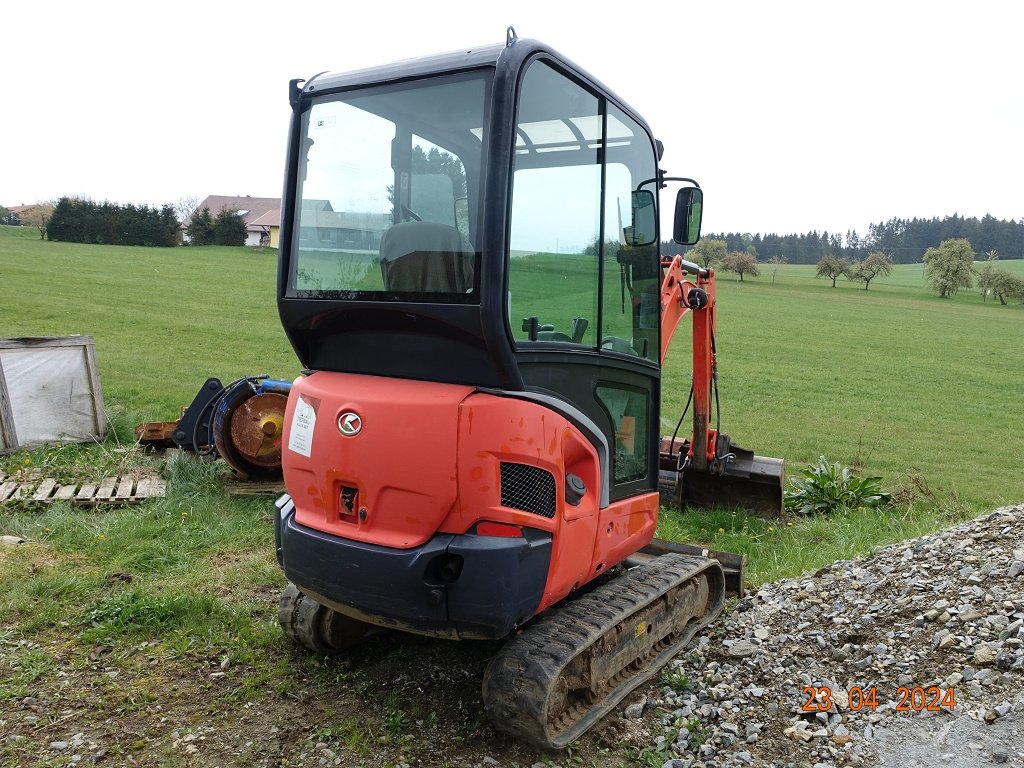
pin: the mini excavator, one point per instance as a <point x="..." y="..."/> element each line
<point x="470" y="274"/>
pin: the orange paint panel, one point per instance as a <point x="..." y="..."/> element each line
<point x="497" y="429"/>
<point x="423" y="458"/>
<point x="580" y="458"/>
<point x="570" y="560"/>
<point x="500" y="530"/>
<point x="625" y="527"/>
<point x="399" y="461"/>
<point x="493" y="430"/>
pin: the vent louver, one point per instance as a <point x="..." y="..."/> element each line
<point x="528" y="488"/>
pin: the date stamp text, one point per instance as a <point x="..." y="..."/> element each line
<point x="908" y="699"/>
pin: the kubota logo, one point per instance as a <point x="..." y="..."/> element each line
<point x="350" y="423"/>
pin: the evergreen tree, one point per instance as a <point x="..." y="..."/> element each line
<point x="229" y="228"/>
<point x="200" y="228"/>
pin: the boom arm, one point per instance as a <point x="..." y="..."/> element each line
<point x="678" y="297"/>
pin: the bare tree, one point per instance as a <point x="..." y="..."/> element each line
<point x="776" y="261"/>
<point x="186" y="207"/>
<point x="38" y="216"/>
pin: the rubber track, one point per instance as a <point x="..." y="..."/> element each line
<point x="317" y="627"/>
<point x="521" y="679"/>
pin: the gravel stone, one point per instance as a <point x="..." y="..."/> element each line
<point x="858" y="624"/>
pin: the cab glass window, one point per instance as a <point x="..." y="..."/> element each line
<point x="631" y="273"/>
<point x="386" y="206"/>
<point x="576" y="275"/>
<point x="556" y="211"/>
<point x="627" y="407"/>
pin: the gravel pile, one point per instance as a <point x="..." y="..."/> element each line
<point x="789" y="677"/>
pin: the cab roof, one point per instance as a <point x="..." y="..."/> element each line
<point x="422" y="66"/>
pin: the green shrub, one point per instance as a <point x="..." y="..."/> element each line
<point x="831" y="487"/>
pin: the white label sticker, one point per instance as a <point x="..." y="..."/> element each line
<point x="300" y="439"/>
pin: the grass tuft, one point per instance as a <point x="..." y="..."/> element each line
<point x="139" y="613"/>
<point x="191" y="476"/>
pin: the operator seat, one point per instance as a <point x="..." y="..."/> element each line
<point x="425" y="257"/>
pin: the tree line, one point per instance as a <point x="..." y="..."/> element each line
<point x="75" y="220"/>
<point x="948" y="267"/>
<point x="905" y="240"/>
<point x="84" y="221"/>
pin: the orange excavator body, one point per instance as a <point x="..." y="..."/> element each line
<point x="484" y="469"/>
<point x="474" y="448"/>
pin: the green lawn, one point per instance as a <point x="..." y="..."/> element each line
<point x="917" y="389"/>
<point x="164" y="319"/>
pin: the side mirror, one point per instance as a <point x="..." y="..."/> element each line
<point x="689" y="206"/>
<point x="643" y="230"/>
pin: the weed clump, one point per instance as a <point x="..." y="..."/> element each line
<point x="826" y="488"/>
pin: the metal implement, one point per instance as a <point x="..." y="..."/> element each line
<point x="247" y="431"/>
<point x="242" y="422"/>
<point x="193" y="430"/>
<point x="741" y="480"/>
<point x="708" y="470"/>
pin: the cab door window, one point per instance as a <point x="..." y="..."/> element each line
<point x="556" y="212"/>
<point x="578" y="280"/>
<point x="575" y="275"/>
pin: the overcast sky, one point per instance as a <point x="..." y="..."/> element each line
<point x="792" y="115"/>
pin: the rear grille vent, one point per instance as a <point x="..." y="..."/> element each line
<point x="528" y="488"/>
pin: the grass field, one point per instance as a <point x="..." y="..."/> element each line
<point x="893" y="380"/>
<point x="145" y="620"/>
<point x="164" y="319"/>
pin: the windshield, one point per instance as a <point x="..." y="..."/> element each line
<point x="389" y="200"/>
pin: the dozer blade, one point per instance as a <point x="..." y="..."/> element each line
<point x="566" y="671"/>
<point x="746" y="481"/>
<point x="734" y="565"/>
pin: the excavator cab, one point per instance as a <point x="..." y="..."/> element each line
<point x="540" y="289"/>
<point x="470" y="276"/>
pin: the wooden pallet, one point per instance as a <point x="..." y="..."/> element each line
<point x="236" y="487"/>
<point x="122" y="489"/>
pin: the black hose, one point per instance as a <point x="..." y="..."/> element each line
<point x="209" y="450"/>
<point x="223" y="395"/>
<point x="718" y="401"/>
<point x="680" y="422"/>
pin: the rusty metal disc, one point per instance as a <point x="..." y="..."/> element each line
<point x="257" y="426"/>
